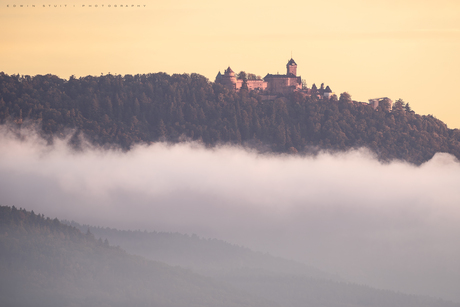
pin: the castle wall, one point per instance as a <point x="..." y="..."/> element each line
<point x="328" y="95"/>
<point x="228" y="82"/>
<point x="282" y="84"/>
<point x="277" y="85"/>
<point x="232" y="83"/>
<point x="376" y="102"/>
<point x="256" y="84"/>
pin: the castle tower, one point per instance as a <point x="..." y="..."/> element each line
<point x="291" y="67"/>
<point x="230" y="74"/>
<point x="227" y="79"/>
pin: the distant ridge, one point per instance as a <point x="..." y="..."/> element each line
<point x="46" y="263"/>
<point x="210" y="257"/>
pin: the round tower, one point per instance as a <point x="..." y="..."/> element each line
<point x="231" y="75"/>
<point x="227" y="79"/>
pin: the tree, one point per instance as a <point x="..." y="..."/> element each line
<point x="407" y="108"/>
<point x="398" y="106"/>
<point x="304" y="83"/>
<point x="244" y="86"/>
<point x="384" y="105"/>
<point x="242" y="75"/>
<point x="161" y="130"/>
<point x="145" y="108"/>
<point x="345" y="97"/>
<point x="89" y="235"/>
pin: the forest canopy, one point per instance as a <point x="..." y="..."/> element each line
<point x="115" y="110"/>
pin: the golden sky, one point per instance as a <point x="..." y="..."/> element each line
<point x="405" y="49"/>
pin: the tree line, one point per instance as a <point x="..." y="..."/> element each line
<point x="128" y="110"/>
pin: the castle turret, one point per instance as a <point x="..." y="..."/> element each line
<point x="291" y="67"/>
<point x="231" y="76"/>
<point x="228" y="79"/>
<point x="328" y="93"/>
<point x="229" y="72"/>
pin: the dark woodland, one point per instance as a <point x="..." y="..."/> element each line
<point x="114" y="110"/>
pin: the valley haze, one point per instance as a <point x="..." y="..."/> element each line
<point x="393" y="226"/>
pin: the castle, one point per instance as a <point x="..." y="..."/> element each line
<point x="273" y="84"/>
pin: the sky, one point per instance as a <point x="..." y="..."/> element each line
<point x="382" y="48"/>
<point x="392" y="226"/>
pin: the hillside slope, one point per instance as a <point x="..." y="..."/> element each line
<point x="46" y="263"/>
<point x="283" y="282"/>
<point x="127" y="110"/>
<point x="210" y="257"/>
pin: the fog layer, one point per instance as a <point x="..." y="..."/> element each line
<point x="394" y="226"/>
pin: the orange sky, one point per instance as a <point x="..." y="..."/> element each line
<point x="399" y="49"/>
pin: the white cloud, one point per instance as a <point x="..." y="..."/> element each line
<point x="390" y="225"/>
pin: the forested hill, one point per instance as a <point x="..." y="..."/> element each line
<point x="46" y="263"/>
<point x="126" y="110"/>
<point x="211" y="257"/>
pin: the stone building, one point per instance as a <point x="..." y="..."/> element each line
<point x="283" y="84"/>
<point x="228" y="79"/>
<point x="375" y="102"/>
<point x="274" y="84"/>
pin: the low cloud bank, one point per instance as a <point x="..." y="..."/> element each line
<point x="391" y="225"/>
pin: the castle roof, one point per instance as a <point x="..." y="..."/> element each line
<point x="291" y="62"/>
<point x="328" y="89"/>
<point x="229" y="70"/>
<point x="281" y="76"/>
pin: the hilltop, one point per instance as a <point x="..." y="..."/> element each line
<point x="114" y="110"/>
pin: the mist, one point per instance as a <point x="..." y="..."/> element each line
<point x="393" y="226"/>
